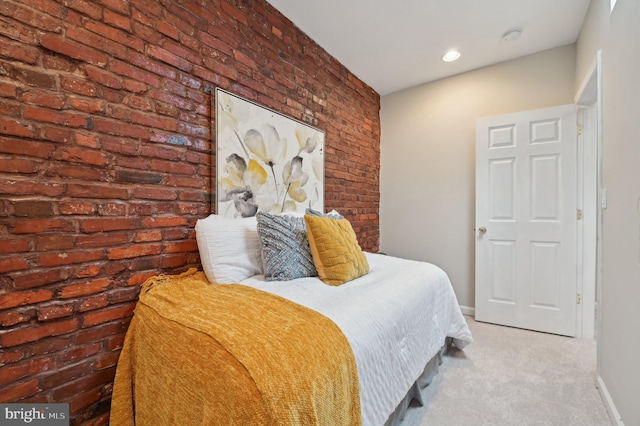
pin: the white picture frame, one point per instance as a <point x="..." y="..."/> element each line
<point x="264" y="160"/>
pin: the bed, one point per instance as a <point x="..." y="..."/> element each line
<point x="350" y="353"/>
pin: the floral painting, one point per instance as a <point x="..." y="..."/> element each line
<point x="265" y="161"/>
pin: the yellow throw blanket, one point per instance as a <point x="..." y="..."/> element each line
<point x="203" y="354"/>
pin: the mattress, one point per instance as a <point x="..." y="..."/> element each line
<point x="396" y="318"/>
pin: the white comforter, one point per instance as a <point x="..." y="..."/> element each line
<point x="395" y="318"/>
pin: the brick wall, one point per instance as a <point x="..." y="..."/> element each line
<point x="105" y="164"/>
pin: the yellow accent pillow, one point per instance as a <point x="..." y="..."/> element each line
<point x="335" y="250"/>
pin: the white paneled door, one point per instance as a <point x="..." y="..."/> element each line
<point x="526" y="220"/>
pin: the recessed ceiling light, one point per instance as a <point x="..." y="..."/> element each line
<point x="451" y="56"/>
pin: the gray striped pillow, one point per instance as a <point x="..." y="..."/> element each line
<point x="285" y="248"/>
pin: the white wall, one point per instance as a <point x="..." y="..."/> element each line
<point x="618" y="36"/>
<point x="427" y="184"/>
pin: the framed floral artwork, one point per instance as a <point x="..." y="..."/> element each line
<point x="265" y="161"/>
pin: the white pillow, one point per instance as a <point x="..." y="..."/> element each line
<point x="230" y="249"/>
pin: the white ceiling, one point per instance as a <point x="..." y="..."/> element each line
<point x="392" y="45"/>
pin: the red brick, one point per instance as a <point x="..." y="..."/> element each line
<point x="145" y="236"/>
<point x="54" y="242"/>
<point x="90" y="106"/>
<point x="173" y="261"/>
<point x="173" y="94"/>
<point x="30" y="188"/>
<point x="103" y="77"/>
<point x="52" y="116"/>
<point x="79" y="86"/>
<point x="120" y="6"/>
<point x="88" y="381"/>
<point x="100" y="419"/>
<point x="8" y="90"/>
<point x="52" y="133"/>
<point x="34" y="333"/>
<point x="94" y="302"/>
<point x="185" y="181"/>
<point x="117" y="20"/>
<point x="153" y="222"/>
<point x="154" y="194"/>
<point x="89" y="141"/>
<point x="13" y="245"/>
<point x="55" y="311"/>
<point x="19" y="391"/>
<point x="114" y="127"/>
<point x="66" y="374"/>
<point x="39" y="278"/>
<point x="86" y="8"/>
<point x="102" y="331"/>
<point x="33" y="18"/>
<point x="179" y="234"/>
<point x="115" y="36"/>
<point x="158" y="122"/>
<point x="9" y="357"/>
<point x="14" y="127"/>
<point x="133" y="251"/>
<point x="181" y="247"/>
<point x="60" y="63"/>
<point x="108" y="360"/>
<point x="80" y="155"/>
<point x="173" y="167"/>
<point x="190" y="209"/>
<point x="89" y="271"/>
<point x="234" y="12"/>
<point x="33" y="208"/>
<point x="110" y="314"/>
<point x="96" y="191"/>
<point x="102" y="225"/>
<point x="116" y="267"/>
<point x="24" y="369"/>
<point x="137" y="71"/>
<point x="13" y="264"/>
<point x="180" y="50"/>
<point x="9" y="318"/>
<point x="73" y="50"/>
<point x="112" y="209"/>
<point x="134" y="86"/>
<point x="168" y="30"/>
<point x="35" y="226"/>
<point x="50" y="345"/>
<point x="18" y="165"/>
<point x="42" y="98"/>
<point x="80" y="352"/>
<point x="146" y="263"/>
<point x="84" y="399"/>
<point x="76" y="208"/>
<point x="137" y="279"/>
<point x="102" y="240"/>
<point x="82" y="289"/>
<point x="68" y="258"/>
<point x="20" y="298"/>
<point x="186" y="19"/>
<point x="160" y="152"/>
<point x="123" y="294"/>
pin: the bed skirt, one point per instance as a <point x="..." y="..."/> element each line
<point x="429" y="372"/>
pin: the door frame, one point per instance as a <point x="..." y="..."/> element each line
<point x="589" y="100"/>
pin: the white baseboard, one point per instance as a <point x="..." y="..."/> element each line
<point x="468" y="311"/>
<point x="616" y="420"/>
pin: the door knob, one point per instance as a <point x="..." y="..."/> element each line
<point x="482" y="230"/>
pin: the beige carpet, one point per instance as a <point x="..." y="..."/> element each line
<point x="510" y="377"/>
